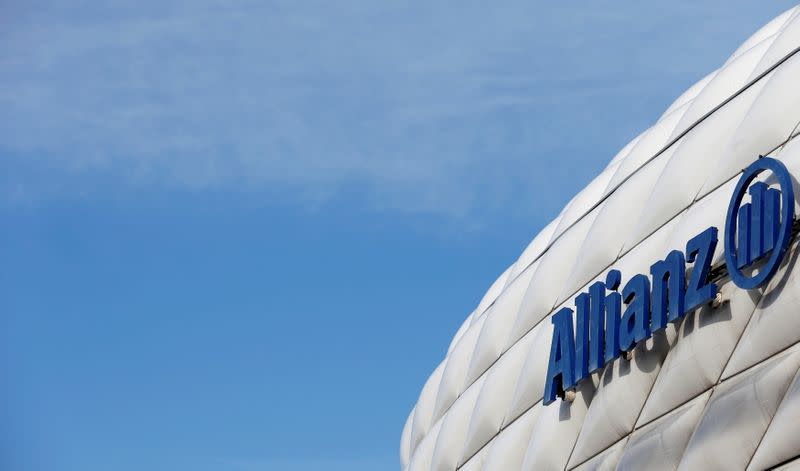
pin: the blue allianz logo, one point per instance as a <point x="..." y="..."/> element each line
<point x="760" y="229"/>
<point x="608" y="321"/>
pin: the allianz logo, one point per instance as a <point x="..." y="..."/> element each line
<point x="610" y="321"/>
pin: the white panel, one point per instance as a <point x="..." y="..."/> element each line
<point x="789" y="153"/>
<point x="455" y="372"/>
<point x="493" y="292"/>
<point x="494" y="337"/>
<point x="651" y="249"/>
<point x="447" y="454"/>
<point x="768" y="29"/>
<point x="768" y="123"/>
<point x="707" y="212"/>
<point x="623" y="389"/>
<point x="585" y="200"/>
<point x="423" y="411"/>
<point x="775" y="324"/>
<point x="556" y="429"/>
<point x="405" y="440"/>
<point x="619" y="215"/>
<point x="729" y="79"/>
<point x="738" y="414"/>
<point x="706" y="339"/>
<point x="624" y="152"/>
<point x="606" y="460"/>
<point x="509" y="447"/>
<point x="624" y="385"/>
<point x="535" y="248"/>
<point x="464" y="326"/>
<point x="772" y="326"/>
<point x="689" y="94"/>
<point x="691" y="162"/>
<point x="421" y="457"/>
<point x="555" y="266"/>
<point x="793" y="465"/>
<point x="787" y="40"/>
<point x="495" y="397"/>
<point x="530" y="384"/>
<point x="477" y="462"/>
<point x="652" y="142"/>
<point x="660" y="445"/>
<point x="781" y="442"/>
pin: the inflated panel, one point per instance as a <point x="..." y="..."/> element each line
<point x="649" y="145"/>
<point x="555" y="267"/>
<point x="729" y="79"/>
<point x="494" y="337"/>
<point x="768" y="29"/>
<point x="685" y="173"/>
<point x="781" y="442"/>
<point x="535" y="248"/>
<point x="787" y="39"/>
<point x="660" y="444"/>
<point x="585" y="200"/>
<point x="737" y="415"/>
<point x="449" y="445"/>
<point x="453" y="381"/>
<point x="493" y="292"/>
<point x="423" y="454"/>
<point x="405" y="440"/>
<point x="622" y="154"/>
<point x="477" y="462"/>
<point x="619" y="215"/>
<point x="707" y="212"/>
<point x="464" y="326"/>
<point x="495" y="397"/>
<point x="706" y="339"/>
<point x="623" y="389"/>
<point x="689" y="94"/>
<point x="768" y="123"/>
<point x="560" y="423"/>
<point x="508" y="450"/>
<point x="793" y="465"/>
<point x="423" y="411"/>
<point x="775" y="324"/>
<point x="530" y="384"/>
<point x="606" y="460"/>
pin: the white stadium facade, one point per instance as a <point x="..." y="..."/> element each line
<point x="655" y="323"/>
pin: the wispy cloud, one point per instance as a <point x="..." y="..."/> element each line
<point x="441" y="108"/>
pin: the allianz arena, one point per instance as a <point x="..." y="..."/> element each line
<point x="655" y="323"/>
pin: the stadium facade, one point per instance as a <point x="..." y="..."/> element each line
<point x="655" y="323"/>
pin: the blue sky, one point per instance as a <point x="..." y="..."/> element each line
<point x="238" y="236"/>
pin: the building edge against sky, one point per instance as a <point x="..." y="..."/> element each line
<point x="717" y="388"/>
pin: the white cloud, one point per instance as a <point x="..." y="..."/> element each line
<point x="440" y="108"/>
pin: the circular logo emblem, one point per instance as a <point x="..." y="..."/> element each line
<point x="760" y="229"/>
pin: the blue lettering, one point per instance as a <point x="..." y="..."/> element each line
<point x="562" y="357"/>
<point x="669" y="285"/>
<point x="634" y="325"/>
<point x="613" y="306"/>
<point x="581" y="336"/>
<point x="597" y="294"/>
<point x="762" y="227"/>
<point x="700" y="250"/>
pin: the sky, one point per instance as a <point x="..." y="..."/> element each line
<point x="239" y="236"/>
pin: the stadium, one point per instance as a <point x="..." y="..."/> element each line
<point x="653" y="324"/>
